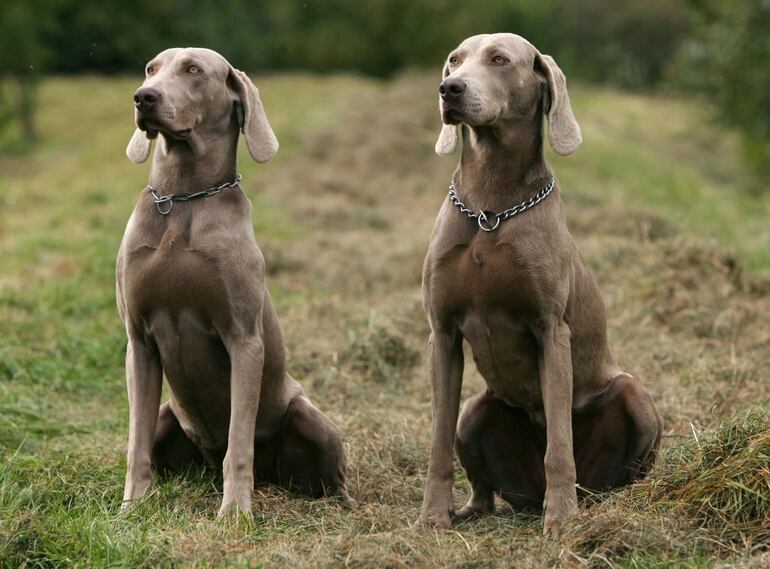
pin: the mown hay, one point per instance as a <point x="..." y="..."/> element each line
<point x="611" y="536"/>
<point x="709" y="493"/>
<point x="718" y="480"/>
<point x="380" y="353"/>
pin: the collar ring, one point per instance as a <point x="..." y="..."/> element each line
<point x="159" y="201"/>
<point x="485" y="224"/>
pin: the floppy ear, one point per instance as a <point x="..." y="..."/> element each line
<point x="260" y="138"/>
<point x="563" y="130"/>
<point x="138" y="149"/>
<point x="449" y="136"/>
<point x="447" y="139"/>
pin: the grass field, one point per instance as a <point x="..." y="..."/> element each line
<point x="657" y="199"/>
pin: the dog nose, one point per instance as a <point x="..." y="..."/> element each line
<point x="451" y="89"/>
<point x="145" y="98"/>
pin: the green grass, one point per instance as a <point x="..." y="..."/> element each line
<point x="661" y="206"/>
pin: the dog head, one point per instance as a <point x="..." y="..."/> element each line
<point x="190" y="92"/>
<point x="493" y="78"/>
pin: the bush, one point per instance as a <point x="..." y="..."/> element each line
<point x="728" y="59"/>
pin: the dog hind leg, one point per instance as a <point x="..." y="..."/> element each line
<point x="616" y="441"/>
<point x="502" y="450"/>
<point x="310" y="458"/>
<point x="172" y="450"/>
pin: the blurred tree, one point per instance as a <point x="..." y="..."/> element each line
<point x="728" y="59"/>
<point x="626" y="42"/>
<point x="22" y="55"/>
<point x="112" y="35"/>
<point x="622" y="41"/>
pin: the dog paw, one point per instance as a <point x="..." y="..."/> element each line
<point x="441" y="519"/>
<point x="347" y="502"/>
<point x="137" y="486"/>
<point x="552" y="527"/>
<point x="127" y="505"/>
<point x="131" y="504"/>
<point x="558" y="509"/>
<point x="468" y="512"/>
<point x="236" y="509"/>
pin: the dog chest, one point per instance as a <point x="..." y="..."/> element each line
<point x="171" y="280"/>
<point x="495" y="293"/>
<point x="506" y="355"/>
<point x="487" y="276"/>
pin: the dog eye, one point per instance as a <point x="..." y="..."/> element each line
<point x="193" y="70"/>
<point x="499" y="60"/>
<point x="150" y="70"/>
<point x="454" y="60"/>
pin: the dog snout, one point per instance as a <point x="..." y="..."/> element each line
<point x="146" y="97"/>
<point x="451" y="89"/>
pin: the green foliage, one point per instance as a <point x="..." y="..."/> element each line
<point x="23" y="51"/>
<point x="22" y="28"/>
<point x="621" y="41"/>
<point x="728" y="58"/>
<point x="625" y="42"/>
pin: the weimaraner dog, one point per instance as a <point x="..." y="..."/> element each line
<point x="191" y="292"/>
<point x="503" y="273"/>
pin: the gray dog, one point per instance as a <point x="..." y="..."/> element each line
<point x="191" y="292"/>
<point x="503" y="273"/>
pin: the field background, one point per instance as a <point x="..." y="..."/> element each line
<point x="658" y="199"/>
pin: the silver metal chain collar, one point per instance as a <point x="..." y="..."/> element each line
<point x="483" y="217"/>
<point x="183" y="197"/>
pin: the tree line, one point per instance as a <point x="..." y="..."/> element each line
<point x="721" y="49"/>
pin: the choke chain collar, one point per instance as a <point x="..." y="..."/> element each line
<point x="489" y="220"/>
<point x="183" y="197"/>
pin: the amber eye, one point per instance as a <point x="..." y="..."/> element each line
<point x="499" y="60"/>
<point x="193" y="70"/>
<point x="150" y="70"/>
<point x="454" y="60"/>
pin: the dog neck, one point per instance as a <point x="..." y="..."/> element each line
<point x="502" y="164"/>
<point x="203" y="160"/>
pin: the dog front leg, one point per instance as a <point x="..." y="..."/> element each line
<point x="446" y="376"/>
<point x="555" y="366"/>
<point x="247" y="356"/>
<point x="144" y="377"/>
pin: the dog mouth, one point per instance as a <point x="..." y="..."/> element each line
<point x="470" y="116"/>
<point x="182" y="134"/>
<point x="147" y="126"/>
<point x="152" y="127"/>
<point x="452" y="116"/>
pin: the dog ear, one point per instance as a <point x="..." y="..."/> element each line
<point x="563" y="130"/>
<point x="447" y="139"/>
<point x="449" y="136"/>
<point x="260" y="138"/>
<point x="138" y="149"/>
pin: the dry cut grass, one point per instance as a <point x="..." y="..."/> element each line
<point x="709" y="494"/>
<point x="656" y="200"/>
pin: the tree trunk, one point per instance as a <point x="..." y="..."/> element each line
<point x="26" y="105"/>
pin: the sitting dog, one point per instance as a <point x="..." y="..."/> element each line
<point x="191" y="293"/>
<point x="503" y="273"/>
